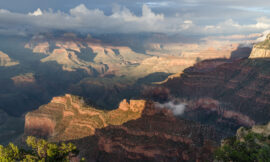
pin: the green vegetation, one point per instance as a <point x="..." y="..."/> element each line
<point x="251" y="147"/>
<point x="265" y="44"/>
<point x="40" y="150"/>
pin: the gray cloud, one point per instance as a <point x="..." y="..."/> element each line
<point x="204" y="17"/>
<point x="80" y="18"/>
<point x="177" y="109"/>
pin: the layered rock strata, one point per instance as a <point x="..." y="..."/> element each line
<point x="136" y="131"/>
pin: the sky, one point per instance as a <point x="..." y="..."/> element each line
<point x="194" y="17"/>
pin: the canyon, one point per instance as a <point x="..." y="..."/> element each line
<point x="241" y="86"/>
<point x="225" y="93"/>
<point x="58" y="63"/>
<point x="132" y="132"/>
<point x="221" y="90"/>
<point x="68" y="118"/>
<point x="94" y="56"/>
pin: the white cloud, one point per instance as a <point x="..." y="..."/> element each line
<point x="186" y="25"/>
<point x="263" y="36"/>
<point x="177" y="109"/>
<point x="232" y="27"/>
<point x="121" y="20"/>
<point x="38" y="12"/>
<point x="158" y="4"/>
<point x="262" y="23"/>
<point x="82" y="19"/>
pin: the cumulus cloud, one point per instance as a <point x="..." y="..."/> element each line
<point x="82" y="19"/>
<point x="123" y="20"/>
<point x="262" y="23"/>
<point x="38" y="12"/>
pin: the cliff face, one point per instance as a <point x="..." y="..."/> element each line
<point x="67" y="118"/>
<point x="70" y="61"/>
<point x="87" y="54"/>
<point x="23" y="80"/>
<point x="262" y="129"/>
<point x="136" y="131"/>
<point x="98" y="57"/>
<point x="226" y="93"/>
<point x="262" y="49"/>
<point x="156" y="137"/>
<point x="5" y="60"/>
<point x="262" y="138"/>
<point x="260" y="53"/>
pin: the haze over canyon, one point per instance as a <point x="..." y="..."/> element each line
<point x="135" y="81"/>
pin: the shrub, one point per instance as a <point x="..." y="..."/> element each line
<point x="39" y="150"/>
<point x="253" y="147"/>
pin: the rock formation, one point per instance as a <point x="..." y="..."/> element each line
<point x="136" y="131"/>
<point x="6" y="61"/>
<point x="24" y="79"/>
<point x="67" y="118"/>
<point x="240" y="87"/>
<point x="262" y="49"/>
<point x="97" y="57"/>
<point x="88" y="54"/>
<point x="262" y="129"/>
<point x="156" y="136"/>
<point x="70" y="61"/>
<point x="225" y="93"/>
<point x="243" y="85"/>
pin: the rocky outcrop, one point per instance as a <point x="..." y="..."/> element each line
<point x="24" y="79"/>
<point x="41" y="48"/>
<point x="207" y="50"/>
<point x="262" y="49"/>
<point x="262" y="129"/>
<point x="6" y="61"/>
<point x="226" y="93"/>
<point x="136" y="131"/>
<point x="74" y="53"/>
<point x="70" y="61"/>
<point x="156" y="136"/>
<point x="67" y="118"/>
<point x="169" y="64"/>
<point x="240" y="87"/>
<point x="75" y="46"/>
<point x="109" y="54"/>
<point x="210" y="105"/>
<point x="260" y="53"/>
<point x="215" y="113"/>
<point x="100" y="58"/>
